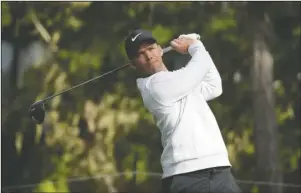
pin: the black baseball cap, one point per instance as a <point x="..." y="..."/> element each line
<point x="135" y="39"/>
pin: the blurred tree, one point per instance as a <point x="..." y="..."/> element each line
<point x="265" y="126"/>
<point x="86" y="39"/>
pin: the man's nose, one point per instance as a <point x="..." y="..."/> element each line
<point x="148" y="55"/>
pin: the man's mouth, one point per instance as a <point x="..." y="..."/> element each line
<point x="152" y="62"/>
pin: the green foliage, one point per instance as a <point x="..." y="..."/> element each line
<point x="163" y="33"/>
<point x="89" y="37"/>
<point x="5" y="12"/>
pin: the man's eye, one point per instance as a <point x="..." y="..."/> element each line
<point x="139" y="55"/>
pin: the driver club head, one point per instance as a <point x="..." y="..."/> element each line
<point x="37" y="112"/>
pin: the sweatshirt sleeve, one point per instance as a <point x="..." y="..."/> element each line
<point x="211" y="86"/>
<point x="170" y="86"/>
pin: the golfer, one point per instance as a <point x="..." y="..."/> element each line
<point x="194" y="157"/>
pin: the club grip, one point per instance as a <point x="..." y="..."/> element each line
<point x="167" y="49"/>
<point x="193" y="35"/>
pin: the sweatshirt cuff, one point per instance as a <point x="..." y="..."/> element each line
<point x="195" y="46"/>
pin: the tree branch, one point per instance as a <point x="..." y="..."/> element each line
<point x="43" y="32"/>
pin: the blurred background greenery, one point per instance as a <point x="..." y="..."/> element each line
<point x="96" y="135"/>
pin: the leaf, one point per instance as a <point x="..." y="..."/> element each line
<point x="45" y="186"/>
<point x="74" y="23"/>
<point x="19" y="142"/>
<point x="221" y="24"/>
<point x="131" y="13"/>
<point x="6" y="14"/>
<point x="162" y="34"/>
<point x="297" y="31"/>
<point x="81" y="5"/>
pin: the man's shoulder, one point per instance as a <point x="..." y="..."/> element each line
<point x="143" y="83"/>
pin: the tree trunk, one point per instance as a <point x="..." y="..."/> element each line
<point x="265" y="126"/>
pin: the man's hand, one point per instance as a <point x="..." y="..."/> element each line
<point x="182" y="43"/>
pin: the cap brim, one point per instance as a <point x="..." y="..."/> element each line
<point x="140" y="42"/>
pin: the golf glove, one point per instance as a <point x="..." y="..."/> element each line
<point x="192" y="36"/>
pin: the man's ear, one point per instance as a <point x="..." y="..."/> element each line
<point x="161" y="50"/>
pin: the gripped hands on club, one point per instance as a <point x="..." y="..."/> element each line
<point x="182" y="43"/>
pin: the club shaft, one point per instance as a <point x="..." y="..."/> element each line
<point x="167" y="49"/>
<point x="81" y="84"/>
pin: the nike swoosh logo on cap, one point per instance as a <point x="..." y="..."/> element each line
<point x="134" y="38"/>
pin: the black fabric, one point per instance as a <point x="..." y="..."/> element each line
<point x="213" y="180"/>
<point x="135" y="39"/>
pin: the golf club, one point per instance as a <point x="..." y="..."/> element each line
<point x="37" y="109"/>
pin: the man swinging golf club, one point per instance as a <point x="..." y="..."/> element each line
<point x="194" y="158"/>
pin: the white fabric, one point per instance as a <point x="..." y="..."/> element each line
<point x="190" y="135"/>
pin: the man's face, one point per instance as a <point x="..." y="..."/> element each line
<point x="149" y="58"/>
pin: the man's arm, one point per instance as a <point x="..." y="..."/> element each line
<point x="211" y="85"/>
<point x="168" y="87"/>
